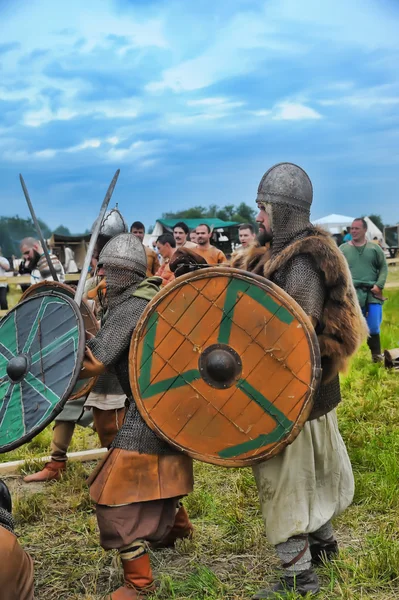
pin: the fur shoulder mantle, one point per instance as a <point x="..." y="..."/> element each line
<point x="343" y="326"/>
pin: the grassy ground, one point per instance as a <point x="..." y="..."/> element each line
<point x="229" y="558"/>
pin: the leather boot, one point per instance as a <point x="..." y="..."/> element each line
<point x="374" y="343"/>
<point x="139" y="582"/>
<point x="323" y="552"/>
<point x="305" y="582"/>
<point x="52" y="471"/>
<point x="182" y="528"/>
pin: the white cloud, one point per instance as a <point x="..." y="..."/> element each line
<point x="291" y="111"/>
<point x="365" y="23"/>
<point x="114" y="140"/>
<point x="238" y="48"/>
<point x="84" y="146"/>
<point x="261" y="113"/>
<point x="45" y="115"/>
<point x="207" y="102"/>
<point x="137" y="152"/>
<point x="93" y="21"/>
<point x="362" y="101"/>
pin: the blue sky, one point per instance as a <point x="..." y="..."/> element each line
<point x="193" y="101"/>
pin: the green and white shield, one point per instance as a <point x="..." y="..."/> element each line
<point x="42" y="343"/>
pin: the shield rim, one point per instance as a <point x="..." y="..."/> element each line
<point x="54" y="287"/>
<point x="282" y="296"/>
<point x="78" y="364"/>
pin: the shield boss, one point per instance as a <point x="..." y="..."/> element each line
<point x="224" y="366"/>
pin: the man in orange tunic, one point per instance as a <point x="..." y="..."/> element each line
<point x="137" y="228"/>
<point x="166" y="245"/>
<point x="212" y="255"/>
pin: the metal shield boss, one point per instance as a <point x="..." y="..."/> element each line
<point x="224" y="366"/>
<point x="42" y="345"/>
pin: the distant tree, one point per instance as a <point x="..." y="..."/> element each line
<point x="7" y="245"/>
<point x="150" y="229"/>
<point x="241" y="213"/>
<point x="46" y="231"/>
<point x="196" y="212"/>
<point x="62" y="230"/>
<point x="14" y="229"/>
<point x="245" y="212"/>
<point x="377" y="220"/>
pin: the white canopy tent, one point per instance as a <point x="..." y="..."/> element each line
<point x="335" y="224"/>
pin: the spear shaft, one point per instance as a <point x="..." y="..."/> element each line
<point x="93" y="239"/>
<point x="39" y="231"/>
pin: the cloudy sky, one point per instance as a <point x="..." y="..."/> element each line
<point x="193" y="101"/>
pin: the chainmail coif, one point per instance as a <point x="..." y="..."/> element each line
<point x="289" y="223"/>
<point x="121" y="283"/>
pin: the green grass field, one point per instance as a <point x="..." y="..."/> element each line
<point x="229" y="557"/>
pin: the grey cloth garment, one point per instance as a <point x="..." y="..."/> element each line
<point x="6" y="520"/>
<point x="74" y="412"/>
<point x="111" y="346"/>
<point x="304" y="283"/>
<point x="324" y="533"/>
<point x="289" y="553"/>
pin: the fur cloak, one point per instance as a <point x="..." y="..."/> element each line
<point x="343" y="327"/>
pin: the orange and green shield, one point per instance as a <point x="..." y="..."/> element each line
<point x="224" y="366"/>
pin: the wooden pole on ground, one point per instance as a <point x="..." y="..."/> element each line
<point x="9" y="468"/>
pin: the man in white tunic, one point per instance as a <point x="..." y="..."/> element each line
<point x="310" y="481"/>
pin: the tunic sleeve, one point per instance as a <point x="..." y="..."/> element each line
<point x="382" y="269"/>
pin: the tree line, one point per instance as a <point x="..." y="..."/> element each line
<point x="15" y="229"/>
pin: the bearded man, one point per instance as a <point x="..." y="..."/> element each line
<point x="311" y="481"/>
<point x="33" y="254"/>
<point x="138" y="485"/>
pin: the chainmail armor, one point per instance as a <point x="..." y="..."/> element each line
<point x="286" y="194"/>
<point x="137" y="436"/>
<point x="6" y="520"/>
<point x="111" y="346"/>
<point x="108" y="383"/>
<point x="302" y="282"/>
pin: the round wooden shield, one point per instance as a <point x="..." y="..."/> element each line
<point x="83" y="386"/>
<point x="42" y="344"/>
<point x="224" y="366"/>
